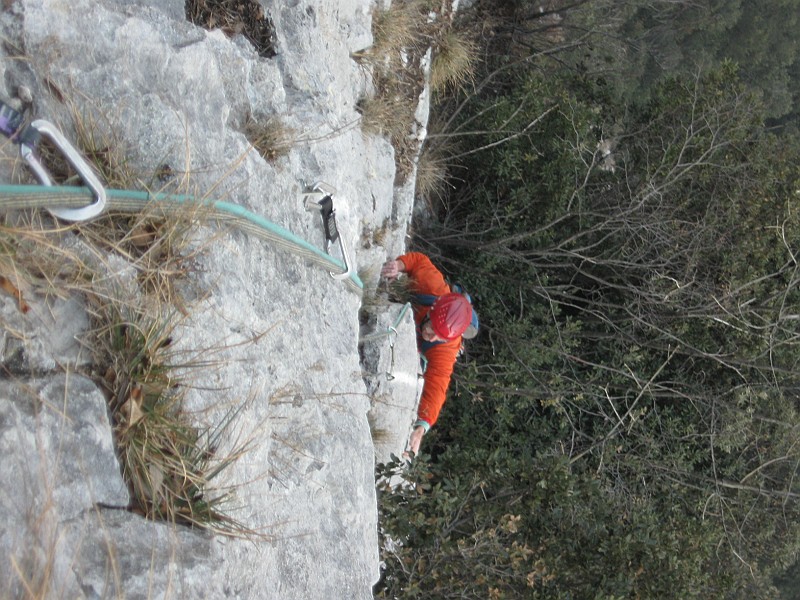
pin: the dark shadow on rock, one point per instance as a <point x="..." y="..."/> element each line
<point x="234" y="17"/>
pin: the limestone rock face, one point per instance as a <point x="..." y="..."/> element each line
<point x="280" y="334"/>
<point x="394" y="377"/>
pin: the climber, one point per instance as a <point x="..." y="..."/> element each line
<point x="442" y="318"/>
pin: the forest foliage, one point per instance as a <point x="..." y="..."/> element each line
<point x="626" y="425"/>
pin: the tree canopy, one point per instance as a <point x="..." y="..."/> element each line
<point x="626" y="425"/>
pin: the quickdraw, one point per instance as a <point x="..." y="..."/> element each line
<point x="320" y="198"/>
<point x="85" y="202"/>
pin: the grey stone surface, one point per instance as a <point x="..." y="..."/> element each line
<point x="58" y="466"/>
<point x="393" y="377"/>
<point x="280" y="335"/>
<point x="109" y="548"/>
<point x="44" y="336"/>
<point x="57" y="446"/>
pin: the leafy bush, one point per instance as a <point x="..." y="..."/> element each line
<point x="629" y="408"/>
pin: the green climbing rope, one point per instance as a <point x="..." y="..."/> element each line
<point x="37" y="196"/>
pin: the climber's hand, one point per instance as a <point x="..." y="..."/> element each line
<point x="414" y="441"/>
<point x="391" y="269"/>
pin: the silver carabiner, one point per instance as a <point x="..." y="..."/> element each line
<point x="392" y="338"/>
<point x="320" y="199"/>
<point x="74" y="158"/>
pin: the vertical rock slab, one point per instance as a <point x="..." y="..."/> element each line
<point x="58" y="465"/>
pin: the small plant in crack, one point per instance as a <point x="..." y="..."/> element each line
<point x="454" y="60"/>
<point x="235" y="17"/>
<point x="169" y="462"/>
<point x="271" y="137"/>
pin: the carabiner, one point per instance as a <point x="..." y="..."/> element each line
<point x="320" y="198"/>
<point x="390" y="370"/>
<point x="74" y="158"/>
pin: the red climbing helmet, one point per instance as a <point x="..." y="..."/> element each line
<point x="450" y="315"/>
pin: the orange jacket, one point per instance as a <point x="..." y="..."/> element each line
<point x="427" y="279"/>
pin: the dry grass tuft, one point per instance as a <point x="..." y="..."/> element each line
<point x="398" y="44"/>
<point x="402" y="33"/>
<point x="395" y="31"/>
<point x="102" y="147"/>
<point x="32" y="258"/>
<point x="388" y="115"/>
<point x="392" y="115"/>
<point x="454" y="60"/>
<point x="158" y="244"/>
<point x="271" y="138"/>
<point x="380" y="234"/>
<point x="169" y="462"/>
<point x="399" y="290"/>
<point x="432" y="178"/>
